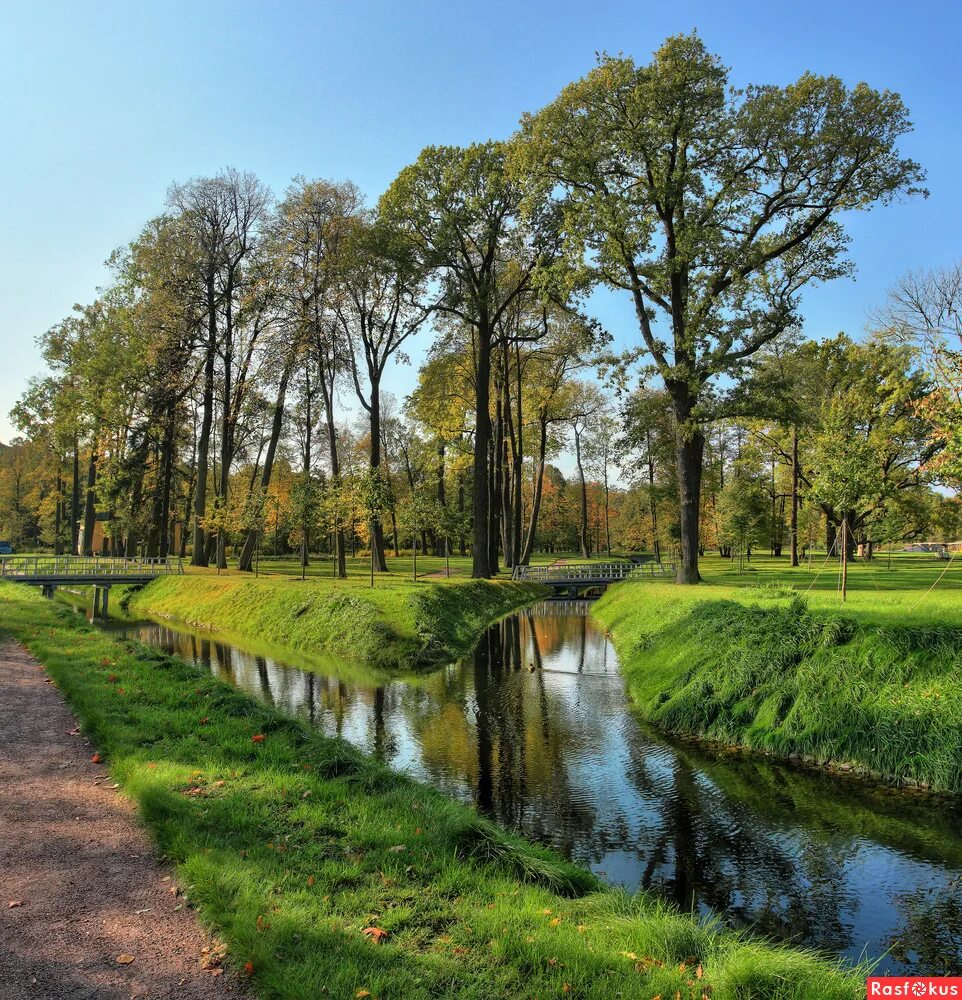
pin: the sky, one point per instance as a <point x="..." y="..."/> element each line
<point x="103" y="105"/>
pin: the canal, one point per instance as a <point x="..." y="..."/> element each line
<point x="534" y="728"/>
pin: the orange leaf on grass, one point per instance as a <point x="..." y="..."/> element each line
<point x="95" y="759"/>
<point x="259" y="738"/>
<point x="249" y="968"/>
<point x="375" y="933"/>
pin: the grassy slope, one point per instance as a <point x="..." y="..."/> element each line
<point x="292" y="845"/>
<point x="873" y="684"/>
<point x="396" y="623"/>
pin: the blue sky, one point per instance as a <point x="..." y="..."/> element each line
<point x="103" y="104"/>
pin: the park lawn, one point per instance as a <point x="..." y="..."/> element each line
<point x="772" y="660"/>
<point x="333" y="876"/>
<point x="399" y="622"/>
<point x="428" y="566"/>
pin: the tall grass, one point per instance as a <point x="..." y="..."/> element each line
<point x="878" y="693"/>
<point x="398" y="623"/>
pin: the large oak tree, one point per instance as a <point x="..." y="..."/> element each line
<point x="712" y="207"/>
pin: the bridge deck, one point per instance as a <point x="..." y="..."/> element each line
<point x="588" y="574"/>
<point x="51" y="571"/>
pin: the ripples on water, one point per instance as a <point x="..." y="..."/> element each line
<point x="535" y="730"/>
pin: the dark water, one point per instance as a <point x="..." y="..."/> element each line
<point x="534" y="728"/>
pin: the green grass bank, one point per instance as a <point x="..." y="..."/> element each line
<point x="397" y="623"/>
<point x="333" y="876"/>
<point x="873" y="686"/>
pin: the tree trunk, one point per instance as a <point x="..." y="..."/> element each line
<point x="376" y="528"/>
<point x="494" y="494"/>
<point x="440" y="540"/>
<point x="794" y="514"/>
<point x="250" y="541"/>
<point x="845" y="534"/>
<point x="517" y="463"/>
<point x="57" y="541"/>
<point x="536" y="492"/>
<point x="689" y="452"/>
<point x="480" y="561"/>
<point x="75" y="500"/>
<point x="583" y="539"/>
<point x="652" y="501"/>
<point x="90" y="507"/>
<point x="199" y="554"/>
<point x="462" y="542"/>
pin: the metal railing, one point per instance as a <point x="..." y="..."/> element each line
<point x="72" y="567"/>
<point x="609" y="572"/>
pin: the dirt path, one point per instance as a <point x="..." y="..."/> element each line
<point x="85" y="883"/>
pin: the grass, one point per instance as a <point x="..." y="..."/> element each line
<point x="397" y="623"/>
<point x="334" y="877"/>
<point x="402" y="566"/>
<point x="773" y="661"/>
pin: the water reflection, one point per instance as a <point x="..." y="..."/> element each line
<point x="534" y="729"/>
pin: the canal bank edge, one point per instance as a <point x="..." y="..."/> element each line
<point x="396" y="624"/>
<point x="765" y="673"/>
<point x="323" y="871"/>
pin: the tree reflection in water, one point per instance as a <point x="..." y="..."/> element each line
<point x="535" y="730"/>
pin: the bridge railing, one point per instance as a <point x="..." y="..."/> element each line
<point x="610" y="572"/>
<point x="70" y="567"/>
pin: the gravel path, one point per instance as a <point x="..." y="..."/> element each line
<point x="80" y="885"/>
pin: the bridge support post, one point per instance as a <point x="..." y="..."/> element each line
<point x="95" y="613"/>
<point x="48" y="590"/>
<point x="104" y="594"/>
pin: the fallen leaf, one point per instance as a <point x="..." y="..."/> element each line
<point x="124" y="959"/>
<point x="375" y="933"/>
<point x="555" y="922"/>
<point x="14" y="903"/>
<point x="259" y="738"/>
<point x="249" y="968"/>
<point x="311" y="880"/>
<point x="95" y="759"/>
<point x="396" y="848"/>
<point x="362" y="993"/>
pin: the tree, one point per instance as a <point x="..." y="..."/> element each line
<point x="460" y="212"/>
<point x="743" y="507"/>
<point x="599" y="447"/>
<point x="376" y="305"/>
<point x="307" y="236"/>
<point x="221" y="216"/>
<point x="712" y="207"/>
<point x="924" y="309"/>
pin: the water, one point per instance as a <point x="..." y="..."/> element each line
<point x="534" y="728"/>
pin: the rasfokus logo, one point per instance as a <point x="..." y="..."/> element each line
<point x="914" y="986"/>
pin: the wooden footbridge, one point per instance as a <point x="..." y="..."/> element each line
<point x="569" y="579"/>
<point x="99" y="572"/>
